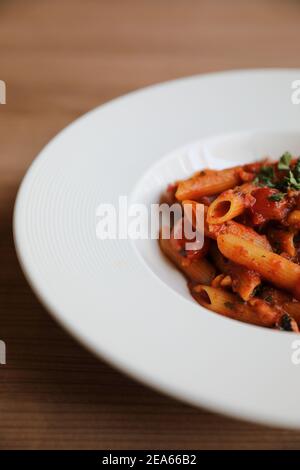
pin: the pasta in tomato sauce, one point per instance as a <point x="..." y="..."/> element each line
<point x="249" y="266"/>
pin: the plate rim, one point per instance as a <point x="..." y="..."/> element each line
<point x="237" y="414"/>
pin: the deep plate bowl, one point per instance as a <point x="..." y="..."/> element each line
<point x="104" y="293"/>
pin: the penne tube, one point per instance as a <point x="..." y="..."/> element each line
<point x="242" y="231"/>
<point x="272" y="267"/>
<point x="235" y="228"/>
<point x="283" y="241"/>
<point x="228" y="205"/>
<point x="228" y="304"/>
<point x="198" y="270"/>
<point x="207" y="183"/>
<point x="244" y="281"/>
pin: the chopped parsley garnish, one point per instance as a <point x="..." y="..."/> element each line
<point x="265" y="177"/>
<point x="296" y="170"/>
<point x="284" y="162"/>
<point x="291" y="180"/>
<point x="276" y="197"/>
<point x="268" y="298"/>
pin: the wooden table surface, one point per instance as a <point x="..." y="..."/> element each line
<point x="59" y="59"/>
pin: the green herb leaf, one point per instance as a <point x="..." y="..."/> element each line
<point x="284" y="162"/>
<point x="267" y="171"/>
<point x="268" y="298"/>
<point x="265" y="177"/>
<point x="292" y="182"/>
<point x="289" y="182"/>
<point x="276" y="197"/>
<point x="296" y="170"/>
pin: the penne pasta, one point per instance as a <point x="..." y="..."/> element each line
<point x="207" y="183"/>
<point x="239" y="230"/>
<point x="227" y="304"/>
<point x="235" y="228"/>
<point x="243" y="281"/>
<point x="229" y="204"/>
<point x="283" y="241"/>
<point x="249" y="218"/>
<point x="272" y="267"/>
<point x="198" y="270"/>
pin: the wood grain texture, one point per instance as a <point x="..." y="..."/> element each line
<point x="60" y="58"/>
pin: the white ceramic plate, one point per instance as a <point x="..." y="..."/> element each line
<point x="121" y="298"/>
